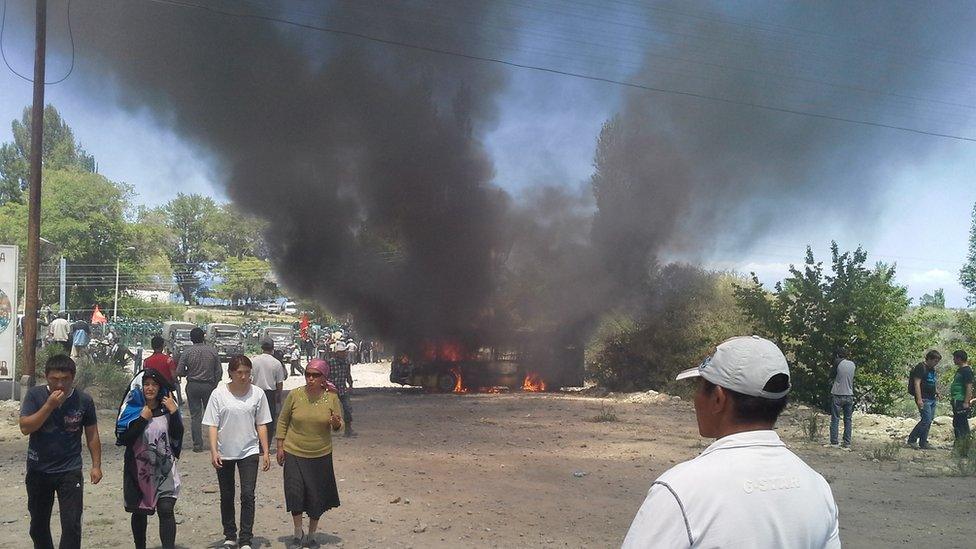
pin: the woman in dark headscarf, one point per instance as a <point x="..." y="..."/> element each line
<point x="151" y="429"/>
<point x="304" y="436"/>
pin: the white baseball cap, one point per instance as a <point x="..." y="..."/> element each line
<point x="743" y="364"/>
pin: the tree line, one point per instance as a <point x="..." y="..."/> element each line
<point x="94" y="222"/>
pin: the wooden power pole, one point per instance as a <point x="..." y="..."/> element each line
<point x="34" y="208"/>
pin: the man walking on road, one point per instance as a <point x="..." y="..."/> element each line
<point x="54" y="415"/>
<point x="268" y="374"/>
<point x="962" y="395"/>
<point x="200" y="365"/>
<point x="163" y="363"/>
<point x="747" y="489"/>
<point x="341" y="376"/>
<point x="923" y="383"/>
<point x="841" y="397"/>
<point x="59" y="331"/>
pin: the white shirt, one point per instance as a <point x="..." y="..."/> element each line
<point x="351" y="347"/>
<point x="235" y="419"/>
<point x="745" y="490"/>
<point x="59" y="329"/>
<point x="267" y="372"/>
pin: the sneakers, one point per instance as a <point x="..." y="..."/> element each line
<point x="245" y="546"/>
<point x="831" y="445"/>
<point x="913" y="445"/>
<point x="926" y="446"/>
<point x="229" y="543"/>
<point x="846" y="447"/>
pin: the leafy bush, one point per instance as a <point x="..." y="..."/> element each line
<point x="686" y="312"/>
<point x="106" y="382"/>
<point x="813" y="312"/>
<point x="131" y="307"/>
<point x="813" y="427"/>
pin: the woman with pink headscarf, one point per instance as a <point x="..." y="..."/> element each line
<point x="304" y="436"/>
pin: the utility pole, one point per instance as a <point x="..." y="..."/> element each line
<point x="115" y="308"/>
<point x="62" y="301"/>
<point x="34" y="208"/>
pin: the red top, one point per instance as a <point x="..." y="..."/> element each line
<point x="162" y="363"/>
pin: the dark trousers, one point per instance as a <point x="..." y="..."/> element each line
<point x="167" y="525"/>
<point x="247" y="469"/>
<point x="41" y="489"/>
<point x="273" y="408"/>
<point x="346" y="409"/>
<point x="197" y="396"/>
<point x="841" y="405"/>
<point x="960" y="420"/>
<point x="297" y="365"/>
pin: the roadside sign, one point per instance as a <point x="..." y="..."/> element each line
<point x="8" y="312"/>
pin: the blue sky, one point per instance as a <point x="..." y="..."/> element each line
<point x="545" y="134"/>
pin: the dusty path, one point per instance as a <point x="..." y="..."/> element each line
<point x="498" y="471"/>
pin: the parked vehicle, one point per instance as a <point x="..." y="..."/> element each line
<point x="227" y="339"/>
<point x="176" y="335"/>
<point x="282" y="336"/>
<point x="290" y="308"/>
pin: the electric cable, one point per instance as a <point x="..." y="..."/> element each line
<point x="3" y="21"/>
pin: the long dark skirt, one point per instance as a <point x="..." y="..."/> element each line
<point x="310" y="485"/>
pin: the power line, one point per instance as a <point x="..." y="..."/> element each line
<point x="548" y="70"/>
<point x="3" y="24"/>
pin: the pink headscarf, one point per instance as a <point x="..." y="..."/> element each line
<point x="322" y="367"/>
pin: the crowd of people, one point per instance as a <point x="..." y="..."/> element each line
<point x="746" y="489"/>
<point x="246" y="422"/>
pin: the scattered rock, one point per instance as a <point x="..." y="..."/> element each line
<point x="580" y="474"/>
<point x="420" y="529"/>
<point x="395" y="500"/>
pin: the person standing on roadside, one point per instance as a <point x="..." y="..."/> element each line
<point x="340" y="376"/>
<point x="962" y="394"/>
<point x="54" y="415"/>
<point x="841" y="397"/>
<point x="237" y="418"/>
<point x="923" y="386"/>
<point x="296" y="361"/>
<point x="304" y="436"/>
<point x="164" y="364"/>
<point x="747" y="489"/>
<point x="268" y="374"/>
<point x="151" y="429"/>
<point x="59" y="331"/>
<point x="200" y="365"/>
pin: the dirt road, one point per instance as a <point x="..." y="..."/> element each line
<point x="508" y="470"/>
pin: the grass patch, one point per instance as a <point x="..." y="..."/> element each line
<point x="886" y="452"/>
<point x="813" y="427"/>
<point x="606" y="415"/>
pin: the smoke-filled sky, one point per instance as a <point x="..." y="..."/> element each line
<point x="173" y="99"/>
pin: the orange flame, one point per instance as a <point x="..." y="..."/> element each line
<point x="458" y="382"/>
<point x="533" y="383"/>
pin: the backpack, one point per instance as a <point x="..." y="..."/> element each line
<point x="80" y="339"/>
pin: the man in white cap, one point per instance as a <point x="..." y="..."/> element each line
<point x="746" y="489"/>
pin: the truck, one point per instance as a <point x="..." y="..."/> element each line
<point x="227" y="339"/>
<point x="282" y="336"/>
<point x="520" y="363"/>
<point x="176" y="335"/>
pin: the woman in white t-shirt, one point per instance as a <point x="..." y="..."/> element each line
<point x="237" y="416"/>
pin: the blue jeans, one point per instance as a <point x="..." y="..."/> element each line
<point x="921" y="431"/>
<point x="841" y="405"/>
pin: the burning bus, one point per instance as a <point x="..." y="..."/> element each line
<point x="526" y="363"/>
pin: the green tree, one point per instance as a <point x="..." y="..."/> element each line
<point x="248" y="280"/>
<point x="239" y="234"/>
<point x="83" y="215"/>
<point x="936" y="300"/>
<point x="193" y="248"/>
<point x="61" y="152"/>
<point x="967" y="276"/>
<point x="813" y="312"/>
